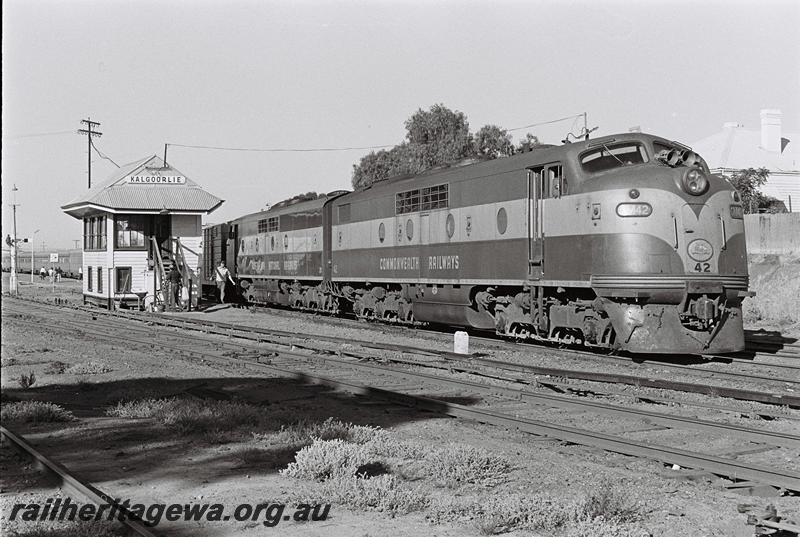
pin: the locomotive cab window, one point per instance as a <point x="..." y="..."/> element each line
<point x="611" y="156"/>
<point x="549" y="181"/>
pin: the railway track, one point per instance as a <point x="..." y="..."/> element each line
<point x="349" y="374"/>
<point x="771" y="345"/>
<point x="649" y="380"/>
<point x="71" y="484"/>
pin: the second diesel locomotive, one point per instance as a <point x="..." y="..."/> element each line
<point x="622" y="242"/>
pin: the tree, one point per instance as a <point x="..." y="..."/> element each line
<point x="530" y="141"/>
<point x="492" y="142"/>
<point x="748" y="182"/>
<point x="381" y="165"/>
<point x="438" y="136"/>
<point x="435" y="137"/>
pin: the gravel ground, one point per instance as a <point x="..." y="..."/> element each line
<point x="146" y="461"/>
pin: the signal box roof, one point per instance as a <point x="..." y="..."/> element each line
<point x="146" y="186"/>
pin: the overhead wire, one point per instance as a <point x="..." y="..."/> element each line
<point x="333" y="149"/>
<point x="574" y="116"/>
<point x="281" y="149"/>
<point x="38" y="134"/>
<point x="101" y="154"/>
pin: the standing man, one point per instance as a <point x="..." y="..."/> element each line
<point x="175" y="284"/>
<point x="222" y="277"/>
<point x="42" y="273"/>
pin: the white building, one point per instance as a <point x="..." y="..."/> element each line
<point x="736" y="148"/>
<point x="137" y="224"/>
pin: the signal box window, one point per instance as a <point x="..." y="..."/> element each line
<point x="94" y="233"/>
<point x="99" y="279"/>
<point x="89" y="286"/>
<point x="130" y="231"/>
<point x="123" y="280"/>
<point x="608" y="157"/>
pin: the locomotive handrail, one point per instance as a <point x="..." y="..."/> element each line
<point x="665" y="281"/>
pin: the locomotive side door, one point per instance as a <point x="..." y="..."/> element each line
<point x="536" y="185"/>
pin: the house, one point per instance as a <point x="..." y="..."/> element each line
<point x="736" y="147"/>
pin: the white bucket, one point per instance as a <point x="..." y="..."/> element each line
<point x="461" y="343"/>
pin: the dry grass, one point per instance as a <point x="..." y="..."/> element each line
<point x="605" y="510"/>
<point x="98" y="528"/>
<point x="191" y="416"/>
<point x="55" y="368"/>
<point x="88" y="368"/>
<point x="384" y="493"/>
<point x="305" y="431"/>
<point x="34" y="412"/>
<point x="9" y="361"/>
<point x="610" y="502"/>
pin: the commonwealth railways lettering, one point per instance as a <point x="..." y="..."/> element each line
<point x="435" y="262"/>
<point x="399" y="263"/>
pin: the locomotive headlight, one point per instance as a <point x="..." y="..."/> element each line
<point x="634" y="209"/>
<point x="695" y="182"/>
<point x="736" y="196"/>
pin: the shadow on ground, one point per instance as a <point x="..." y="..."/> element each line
<point x="100" y="448"/>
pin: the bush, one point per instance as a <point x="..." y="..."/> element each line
<point x="88" y="368"/>
<point x="304" y="432"/>
<point x="381" y="493"/>
<point x="458" y="465"/>
<point x="55" y="368"/>
<point x="609" y="503"/>
<point x="26" y="380"/>
<point x="190" y="416"/>
<point x="34" y="412"/>
<point x="325" y="459"/>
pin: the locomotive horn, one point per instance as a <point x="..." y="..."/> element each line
<point x="689" y="158"/>
<point x="673" y="157"/>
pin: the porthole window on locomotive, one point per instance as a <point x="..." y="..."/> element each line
<point x="502" y="220"/>
<point x="450" y="225"/>
<point x="410" y="229"/>
<point x="286" y="241"/>
<point x="381" y="232"/>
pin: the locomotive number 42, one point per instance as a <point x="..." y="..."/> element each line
<point x="702" y="267"/>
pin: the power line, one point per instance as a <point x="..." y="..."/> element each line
<point x="101" y="154"/>
<point x="281" y="149"/>
<point x="37" y="135"/>
<point x="332" y="149"/>
<point x="545" y="122"/>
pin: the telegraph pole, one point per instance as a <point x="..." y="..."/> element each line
<point x="12" y="282"/>
<point x="89" y="133"/>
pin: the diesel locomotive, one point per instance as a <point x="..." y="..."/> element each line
<point x="622" y="242"/>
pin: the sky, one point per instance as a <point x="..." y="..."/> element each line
<point x="334" y="74"/>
